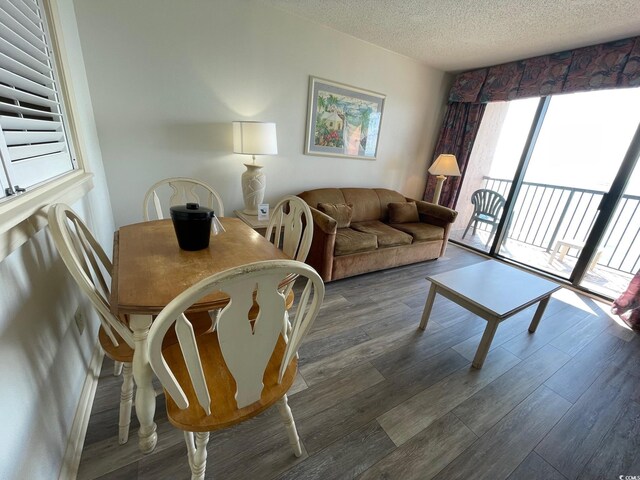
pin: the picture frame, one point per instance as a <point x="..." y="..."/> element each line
<point x="343" y="121"/>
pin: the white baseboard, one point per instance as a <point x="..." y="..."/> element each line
<point x="71" y="460"/>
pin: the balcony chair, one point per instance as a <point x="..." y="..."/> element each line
<point x="230" y="375"/>
<point x="487" y="208"/>
<point x="89" y="265"/>
<point x="183" y="190"/>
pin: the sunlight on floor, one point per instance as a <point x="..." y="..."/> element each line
<point x="589" y="305"/>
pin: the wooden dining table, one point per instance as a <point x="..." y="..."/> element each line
<point x="150" y="270"/>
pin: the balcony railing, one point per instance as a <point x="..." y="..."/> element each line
<point x="546" y="213"/>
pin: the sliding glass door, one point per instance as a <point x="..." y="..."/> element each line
<point x="555" y="184"/>
<point x="492" y="166"/>
<point x="616" y="255"/>
<point x="576" y="156"/>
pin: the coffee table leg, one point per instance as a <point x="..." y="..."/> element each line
<point x="143" y="376"/>
<point x="538" y="315"/>
<point x="427" y="306"/>
<point x="485" y="343"/>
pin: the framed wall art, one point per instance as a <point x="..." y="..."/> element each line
<point x="343" y="121"/>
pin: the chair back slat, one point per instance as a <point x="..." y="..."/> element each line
<point x="180" y="190"/>
<point x="89" y="253"/>
<point x="295" y="228"/>
<point x="274" y="229"/>
<point x="183" y="192"/>
<point x="78" y="249"/>
<point x="95" y="273"/>
<point x="303" y="320"/>
<point x="86" y="261"/>
<point x="157" y="206"/>
<point x="246" y="346"/>
<point x="187" y="339"/>
<point x="236" y="335"/>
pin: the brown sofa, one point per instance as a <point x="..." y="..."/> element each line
<point x="370" y="242"/>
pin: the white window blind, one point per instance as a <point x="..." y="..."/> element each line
<point x="33" y="143"/>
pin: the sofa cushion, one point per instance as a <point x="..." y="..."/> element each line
<point x="340" y="212"/>
<point x="322" y="195"/>
<point x="421" y="232"/>
<point x="403" y="212"/>
<point x="387" y="196"/>
<point x="351" y="241"/>
<point x="387" y="236"/>
<point x="365" y="201"/>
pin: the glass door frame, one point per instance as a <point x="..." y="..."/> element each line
<point x="518" y="177"/>
<point x="606" y="208"/>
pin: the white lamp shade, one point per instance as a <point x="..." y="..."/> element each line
<point x="446" y="164"/>
<point x="255" y="138"/>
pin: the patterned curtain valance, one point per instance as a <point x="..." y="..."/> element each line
<point x="609" y="65"/>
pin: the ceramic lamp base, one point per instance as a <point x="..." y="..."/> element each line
<point x="436" y="195"/>
<point x="254" y="183"/>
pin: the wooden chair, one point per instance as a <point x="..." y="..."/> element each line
<point x="487" y="208"/>
<point x="89" y="266"/>
<point x="182" y="190"/>
<point x="230" y="375"/>
<point x="291" y="227"/>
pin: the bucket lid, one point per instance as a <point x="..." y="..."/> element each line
<point x="191" y="211"/>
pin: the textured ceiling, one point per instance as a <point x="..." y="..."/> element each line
<point x="454" y="35"/>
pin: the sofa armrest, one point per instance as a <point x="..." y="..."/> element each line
<point x="435" y="214"/>
<point x="323" y="221"/>
<point x="323" y="244"/>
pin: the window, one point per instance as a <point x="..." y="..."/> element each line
<point x="36" y="132"/>
<point x="562" y="164"/>
<point x="34" y="147"/>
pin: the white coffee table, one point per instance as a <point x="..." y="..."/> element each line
<point x="494" y="291"/>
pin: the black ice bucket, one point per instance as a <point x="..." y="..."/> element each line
<point x="192" y="224"/>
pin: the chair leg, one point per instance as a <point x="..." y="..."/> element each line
<point x="596" y="259"/>
<point x="553" y="255"/>
<point x="491" y="235"/>
<point x="197" y="453"/>
<point x="126" y="399"/>
<point x="467" y="229"/>
<point x="117" y="369"/>
<point x="290" y="425"/>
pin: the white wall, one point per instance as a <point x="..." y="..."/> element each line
<point x="167" y="78"/>
<point x="43" y="359"/>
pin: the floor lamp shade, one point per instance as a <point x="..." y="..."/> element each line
<point x="254" y="138"/>
<point x="445" y="166"/>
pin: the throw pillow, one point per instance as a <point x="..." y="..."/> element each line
<point x="403" y="212"/>
<point x="340" y="212"/>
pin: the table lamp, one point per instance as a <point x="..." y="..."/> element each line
<point x="254" y="138"/>
<point x="444" y="166"/>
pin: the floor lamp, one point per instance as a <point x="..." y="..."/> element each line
<point x="254" y="138"/>
<point x="445" y="166"/>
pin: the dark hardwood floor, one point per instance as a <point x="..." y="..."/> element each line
<point x="378" y="398"/>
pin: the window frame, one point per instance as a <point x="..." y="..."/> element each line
<point x="23" y="215"/>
